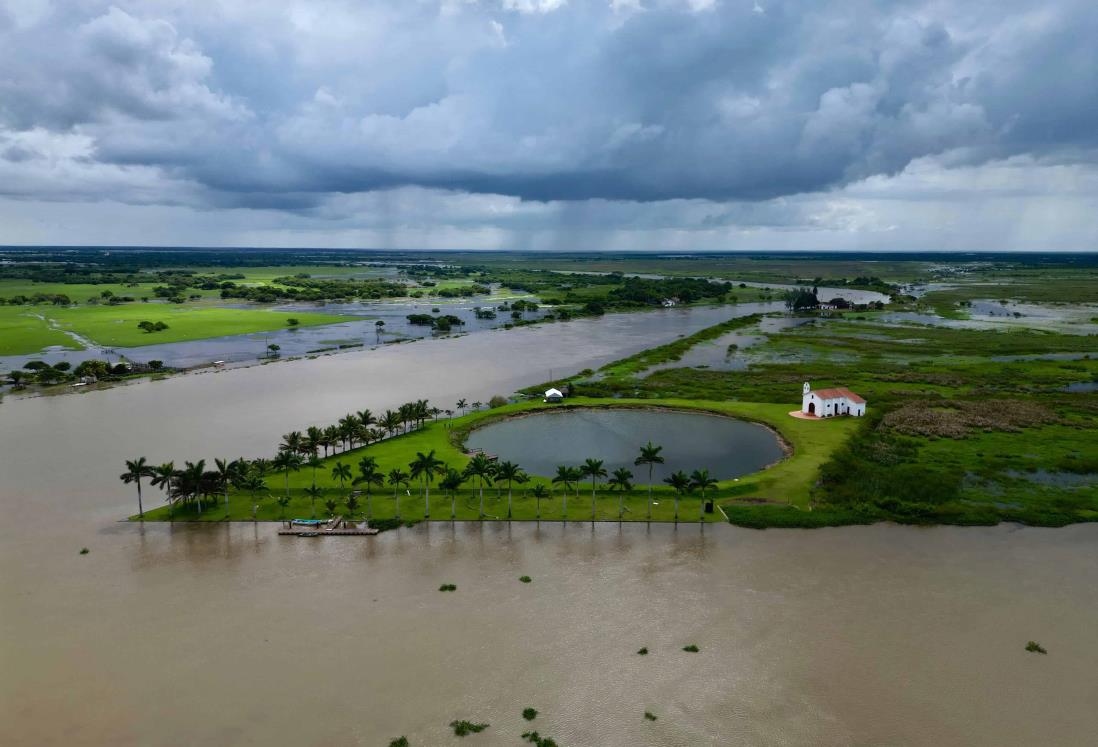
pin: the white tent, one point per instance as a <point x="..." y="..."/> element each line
<point x="553" y="395"/>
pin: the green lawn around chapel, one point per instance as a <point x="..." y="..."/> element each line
<point x="788" y="481"/>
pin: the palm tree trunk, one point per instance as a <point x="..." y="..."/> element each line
<point x="650" y="492"/>
<point x="427" y="501"/>
<point x="453" y="506"/>
<point x="482" y="497"/>
<point x="701" y="511"/>
<point x="508" y="500"/>
<point x="676" y="507"/>
<point x="621" y="504"/>
<point x="592" y="499"/>
<point x="140" y="507"/>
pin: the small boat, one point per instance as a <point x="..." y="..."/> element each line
<point x="308" y="534"/>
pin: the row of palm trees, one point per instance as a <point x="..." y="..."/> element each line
<point x="195" y="484"/>
<point x="358" y="429"/>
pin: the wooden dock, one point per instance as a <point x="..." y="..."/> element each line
<point x="337" y="527"/>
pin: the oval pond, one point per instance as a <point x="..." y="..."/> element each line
<point x="539" y="443"/>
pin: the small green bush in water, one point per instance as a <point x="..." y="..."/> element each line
<point x="529" y="713"/>
<point x="448" y="587"/>
<point x="643" y="651"/>
<point x="399" y="742"/>
<point x="1035" y="648"/>
<point x="84" y="551"/>
<point x="650" y="716"/>
<point x="525" y="579"/>
<point x="465" y="728"/>
<point x="536" y="739"/>
<point x="691" y="648"/>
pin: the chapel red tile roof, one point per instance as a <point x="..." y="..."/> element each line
<point x="838" y="393"/>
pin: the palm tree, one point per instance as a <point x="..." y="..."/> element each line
<point x="482" y="468"/>
<point x="352" y="505"/>
<point x="135" y="470"/>
<point x="368" y="475"/>
<point x="283" y="501"/>
<point x="366" y="418"/>
<point x="451" y="483"/>
<point x="390" y="421"/>
<point x="425" y="467"/>
<point x="341" y="472"/>
<point x="348" y="427"/>
<point x="293" y="441"/>
<point x="331" y="504"/>
<point x="287" y="460"/>
<point x="539" y="493"/>
<point x="566" y="476"/>
<point x="510" y="472"/>
<point x="313" y="438"/>
<point x="593" y="468"/>
<point x="701" y="479"/>
<point x="477" y="405"/>
<point x="253" y="483"/>
<point x="461" y="404"/>
<point x="650" y="455"/>
<point x="397" y="477"/>
<point x="225" y="471"/>
<point x="621" y="480"/>
<point x="313" y="492"/>
<point x="680" y="483"/>
<point x="162" y="478"/>
<point x="190" y="480"/>
<point x="331" y="439"/>
<point x="315" y="463"/>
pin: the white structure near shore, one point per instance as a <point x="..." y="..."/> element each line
<point x="828" y="403"/>
<point x="553" y="395"/>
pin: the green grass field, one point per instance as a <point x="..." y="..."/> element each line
<point x="789" y="480"/>
<point x="117" y="325"/>
<point x="23" y="332"/>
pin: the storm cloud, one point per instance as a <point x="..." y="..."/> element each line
<point x="546" y="116"/>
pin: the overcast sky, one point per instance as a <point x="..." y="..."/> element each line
<point x="551" y="124"/>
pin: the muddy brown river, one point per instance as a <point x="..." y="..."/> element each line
<point x="224" y="635"/>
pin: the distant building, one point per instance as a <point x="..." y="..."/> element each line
<point x="827" y="403"/>
<point x="669" y="302"/>
<point x="553" y="395"/>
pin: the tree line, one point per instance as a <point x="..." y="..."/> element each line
<point x="202" y="485"/>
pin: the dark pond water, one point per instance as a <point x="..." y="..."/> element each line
<point x="539" y="443"/>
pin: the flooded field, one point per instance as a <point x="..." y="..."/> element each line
<point x="218" y="634"/>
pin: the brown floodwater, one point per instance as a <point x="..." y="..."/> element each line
<point x="185" y="635"/>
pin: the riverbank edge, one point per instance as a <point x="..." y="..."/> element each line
<point x="790" y="475"/>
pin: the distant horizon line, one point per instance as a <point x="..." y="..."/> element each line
<point x="654" y="252"/>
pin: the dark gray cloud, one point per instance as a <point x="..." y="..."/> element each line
<point x="292" y="106"/>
